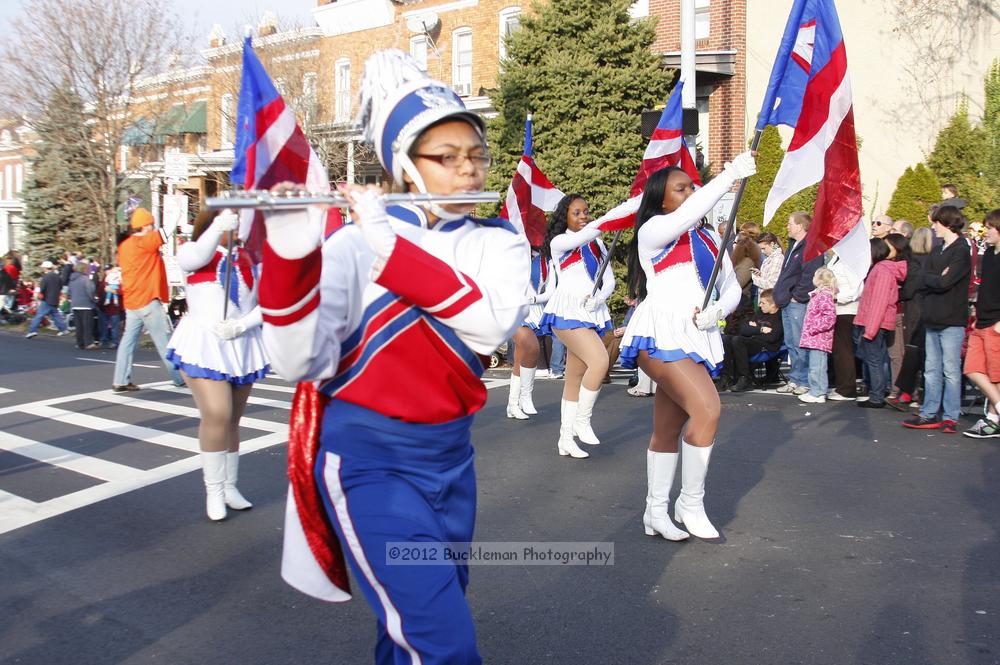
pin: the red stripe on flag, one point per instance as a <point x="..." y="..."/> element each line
<point x="291" y="164"/>
<point x="664" y="134"/>
<point x="838" y="202"/>
<point x="817" y="97"/>
<point x="268" y="115"/>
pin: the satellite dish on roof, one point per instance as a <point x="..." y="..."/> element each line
<point x="423" y="23"/>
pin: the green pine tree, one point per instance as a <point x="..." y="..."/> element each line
<point x="585" y="70"/>
<point x="991" y="124"/>
<point x="58" y="214"/>
<point x="769" y="156"/>
<point x="961" y="157"/>
<point x="916" y="190"/>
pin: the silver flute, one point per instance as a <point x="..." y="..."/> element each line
<point x="265" y="200"/>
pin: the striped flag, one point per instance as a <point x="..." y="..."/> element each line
<point x="270" y="148"/>
<point x="810" y="91"/>
<point x="530" y="195"/>
<point x="666" y="148"/>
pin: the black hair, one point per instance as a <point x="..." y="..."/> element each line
<point x="557" y="222"/>
<point x="650" y="205"/>
<point x="880" y="250"/>
<point x="949" y="217"/>
<point x="901" y="244"/>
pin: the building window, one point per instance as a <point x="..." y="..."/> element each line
<point x="342" y="85"/>
<point x="510" y="22"/>
<point x="701" y="105"/>
<point x="461" y="61"/>
<point x="226" y="123"/>
<point x="702" y="13"/>
<point x="8" y="182"/>
<point x="418" y="49"/>
<point x="639" y="9"/>
<point x="309" y="87"/>
<point x="18" y="178"/>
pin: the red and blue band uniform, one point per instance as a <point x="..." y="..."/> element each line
<point x="397" y="346"/>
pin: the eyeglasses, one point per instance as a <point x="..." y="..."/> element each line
<point x="877" y="223"/>
<point x="453" y="161"/>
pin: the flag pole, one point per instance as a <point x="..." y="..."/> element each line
<point x="229" y="275"/>
<point x="730" y="227"/>
<point x="604" y="264"/>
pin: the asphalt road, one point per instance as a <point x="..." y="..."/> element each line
<point x="846" y="539"/>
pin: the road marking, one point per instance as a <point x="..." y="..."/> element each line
<point x="260" y="401"/>
<point x="179" y="410"/>
<point x="66" y="459"/>
<point x="87" y="421"/>
<point x="260" y="385"/>
<point x="112" y="362"/>
<point x="4" y="391"/>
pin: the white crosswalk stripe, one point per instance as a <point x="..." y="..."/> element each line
<point x="105" y="478"/>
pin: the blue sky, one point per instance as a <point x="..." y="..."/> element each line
<point x="201" y="14"/>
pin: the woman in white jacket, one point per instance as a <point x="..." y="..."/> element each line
<point x="220" y="359"/>
<point x="578" y="316"/>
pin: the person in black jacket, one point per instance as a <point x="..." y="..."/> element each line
<point x="791" y="295"/>
<point x="982" y="362"/>
<point x="945" y="313"/>
<point x="48" y="305"/>
<point x="760" y="332"/>
<point x="910" y="301"/>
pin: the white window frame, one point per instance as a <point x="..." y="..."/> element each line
<point x="703" y="106"/>
<point x="702" y="19"/>
<point x="18" y="177"/>
<point x="419" y="49"/>
<point x="505" y="19"/>
<point x="342" y="88"/>
<point x="8" y="181"/>
<point x="226" y="121"/>
<point x="461" y="73"/>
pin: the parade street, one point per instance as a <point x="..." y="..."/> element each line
<point x="846" y="539"/>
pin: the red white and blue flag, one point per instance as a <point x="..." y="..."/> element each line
<point x="270" y="148"/>
<point x="666" y="148"/>
<point x="530" y="195"/>
<point x="810" y="91"/>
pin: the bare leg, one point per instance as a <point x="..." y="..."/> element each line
<point x="668" y="417"/>
<point x="990" y="390"/>
<point x="525" y="349"/>
<point x="585" y="344"/>
<point x="689" y="386"/>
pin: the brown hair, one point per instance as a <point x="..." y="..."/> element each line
<point x="202" y="221"/>
<point x="992" y="218"/>
<point x="750" y="229"/>
<point x="768" y="238"/>
<point x="766" y="293"/>
<point x="80" y="266"/>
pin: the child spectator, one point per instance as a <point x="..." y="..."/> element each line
<point x="761" y="332"/>
<point x="875" y="321"/>
<point x="817" y="333"/>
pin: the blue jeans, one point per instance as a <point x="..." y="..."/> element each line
<point x="45" y="309"/>
<point x="791" y="319"/>
<point x="943" y="373"/>
<point x="110" y="327"/>
<point x="153" y="318"/>
<point x="819" y="382"/>
<point x="872" y="353"/>
<point x="557" y="363"/>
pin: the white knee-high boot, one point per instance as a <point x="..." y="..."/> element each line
<point x="527" y="386"/>
<point x="660" y="469"/>
<point x="582" y="427"/>
<point x="213" y="468"/>
<point x="567" y="446"/>
<point x="234" y="499"/>
<point x="690" y="506"/>
<point x="513" y="399"/>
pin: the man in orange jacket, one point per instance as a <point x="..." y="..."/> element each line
<point x="144" y="295"/>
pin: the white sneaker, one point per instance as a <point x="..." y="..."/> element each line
<point x="812" y="399"/>
<point x="834" y="396"/>
<point x="800" y="390"/>
<point x="30" y="335"/>
<point x="787" y="388"/>
<point x="541" y="374"/>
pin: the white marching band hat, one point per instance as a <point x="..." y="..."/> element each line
<point x="398" y="101"/>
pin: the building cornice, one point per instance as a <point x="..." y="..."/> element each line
<point x="277" y="39"/>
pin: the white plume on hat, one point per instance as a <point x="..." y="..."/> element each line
<point x="398" y="101"/>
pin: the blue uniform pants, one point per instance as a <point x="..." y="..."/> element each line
<point x="387" y="481"/>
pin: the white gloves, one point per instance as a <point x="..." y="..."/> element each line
<point x="708" y="318"/>
<point x="532" y="300"/>
<point x="369" y="206"/>
<point x="742" y="166"/>
<point x="591" y="303"/>
<point x="226" y="221"/>
<point x="229" y="329"/>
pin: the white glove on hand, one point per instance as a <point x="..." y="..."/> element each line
<point x="742" y="166"/>
<point x="229" y="329"/>
<point x="708" y="318"/>
<point x="294" y="234"/>
<point x="226" y="221"/>
<point x="532" y="300"/>
<point x="369" y="206"/>
<point x="591" y="303"/>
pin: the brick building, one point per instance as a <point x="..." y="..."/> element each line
<point x="15" y="149"/>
